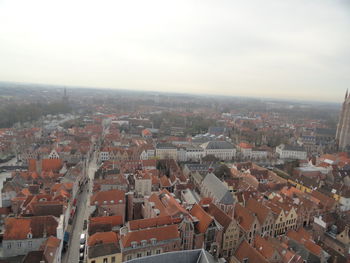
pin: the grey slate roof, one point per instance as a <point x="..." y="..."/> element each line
<point x="217" y="145"/>
<point x="293" y="148"/>
<point x="197" y="167"/>
<point x="184" y="256"/>
<point x="218" y="189"/>
<point x="165" y="146"/>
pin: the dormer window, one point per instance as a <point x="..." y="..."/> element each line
<point x="133" y="244"/>
<point x="153" y="241"/>
<point x="30" y="235"/>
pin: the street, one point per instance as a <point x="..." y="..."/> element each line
<point x="72" y="254"/>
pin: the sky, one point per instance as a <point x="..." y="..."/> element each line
<point x="272" y="48"/>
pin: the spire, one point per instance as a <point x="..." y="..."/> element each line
<point x="346" y="94"/>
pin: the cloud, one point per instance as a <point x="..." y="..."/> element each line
<point x="271" y="48"/>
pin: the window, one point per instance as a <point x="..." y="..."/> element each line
<point x="113" y="259"/>
<point x="139" y="255"/>
<point x="149" y="253"/>
<point x="93" y="261"/>
<point x="30" y="243"/>
<point x="105" y="260"/>
<point x="19" y="244"/>
<point x="153" y="241"/>
<point x="158" y="251"/>
<point x="129" y="257"/>
<point x="9" y="246"/>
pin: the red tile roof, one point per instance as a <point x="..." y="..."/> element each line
<point x="245" y="145"/>
<point x="102" y="238"/>
<point x="19" y="228"/>
<point x="51" y="242"/>
<point x="152" y="163"/>
<point x="164" y="181"/>
<point x="160" y="233"/>
<point x="304" y="237"/>
<point x="244" y="217"/>
<point x="152" y="222"/>
<point x="204" y="218"/>
<point x="219" y="215"/>
<point x="108" y="197"/>
<point x="112" y="220"/>
<point x="245" y="251"/>
<point x="167" y="204"/>
<point x="264" y="247"/>
<point x="258" y="208"/>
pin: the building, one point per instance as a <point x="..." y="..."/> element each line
<point x="49" y="252"/>
<point x="104" y="247"/>
<point x="26" y="234"/>
<point x="248" y="222"/>
<point x="183" y="256"/>
<point x="264" y="215"/>
<point x="208" y="232"/>
<point x="220" y="149"/>
<point x="245" y="149"/>
<point x="214" y="188"/>
<point x="166" y="151"/>
<point x="230" y="233"/>
<point x="101" y="253"/>
<point x="150" y="241"/>
<point x="110" y="202"/>
<point x="246" y="253"/>
<point x="284" y="214"/>
<point x="163" y="203"/>
<point x="291" y="152"/>
<point x="143" y="183"/>
<point x="301" y="241"/>
<point x="343" y="130"/>
<point x="194" y="153"/>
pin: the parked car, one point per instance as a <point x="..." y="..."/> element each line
<point x="82" y="248"/>
<point x="81" y="256"/>
<point x="82" y="239"/>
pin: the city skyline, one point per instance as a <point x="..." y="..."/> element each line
<point x="290" y="50"/>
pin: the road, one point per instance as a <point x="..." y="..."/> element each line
<point x="72" y="254"/>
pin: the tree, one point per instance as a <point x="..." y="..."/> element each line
<point x="223" y="172"/>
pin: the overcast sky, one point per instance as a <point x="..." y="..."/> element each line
<point x="262" y="48"/>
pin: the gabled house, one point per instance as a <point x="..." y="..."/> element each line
<point x="150" y="241"/>
<point x="264" y="215"/>
<point x="26" y="234"/>
<point x="208" y="232"/>
<point x="110" y="202"/>
<point x="230" y="232"/>
<point x="248" y="223"/>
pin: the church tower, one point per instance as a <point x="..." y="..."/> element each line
<point x="65" y="97"/>
<point x="343" y="129"/>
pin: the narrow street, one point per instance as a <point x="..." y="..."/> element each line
<point x="72" y="254"/>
